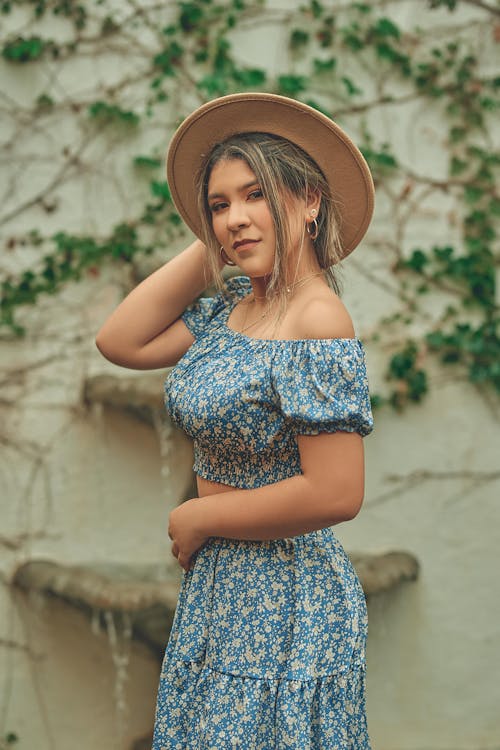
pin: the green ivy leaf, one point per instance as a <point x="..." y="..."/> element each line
<point x="457" y="134"/>
<point x="402" y="362"/>
<point x="494" y="206"/>
<point x="147" y="161"/>
<point x="362" y="8"/>
<point x="324" y="66"/>
<point x="443" y="253"/>
<point x="23" y="50"/>
<point x="379" y="159"/>
<point x="417" y="261"/>
<point x="44" y="102"/>
<point x="250" y="77"/>
<point x="222" y="62"/>
<point x="109" y="26"/>
<point x="169" y="58"/>
<point x="457" y="166"/>
<point x="449" y="4"/>
<point x="351" y="87"/>
<point x="161" y="190"/>
<point x="402" y="367"/>
<point x="317" y="9"/>
<point x="105" y="111"/>
<point x="352" y="38"/>
<point x="385" y="27"/>
<point x="376" y="401"/>
<point x="386" y="52"/>
<point x="191" y="16"/>
<point x="298" y="39"/>
<point x="417" y="385"/>
<point x="214" y="85"/>
<point x="472" y="193"/>
<point x="291" y="85"/>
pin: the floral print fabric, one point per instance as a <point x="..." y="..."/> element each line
<point x="244" y="400"/>
<point x="266" y="650"/>
<point x="267" y="645"/>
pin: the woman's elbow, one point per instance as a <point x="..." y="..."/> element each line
<point x="107" y="350"/>
<point x="350" y="504"/>
<point x="101" y="345"/>
<point x="352" y="507"/>
<point x="353" y="490"/>
<point x="128" y="358"/>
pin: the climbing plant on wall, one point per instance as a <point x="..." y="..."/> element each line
<point x="138" y="68"/>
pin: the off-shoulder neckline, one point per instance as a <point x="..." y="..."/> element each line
<point x="246" y="283"/>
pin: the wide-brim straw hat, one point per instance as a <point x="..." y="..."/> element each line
<point x="339" y="159"/>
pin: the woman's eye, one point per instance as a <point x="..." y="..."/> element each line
<point x="256" y="194"/>
<point x="216" y="207"/>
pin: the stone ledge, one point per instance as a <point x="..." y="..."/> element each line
<point x="126" y="390"/>
<point x="99" y="589"/>
<point x="379" y="573"/>
<point x="138" y="395"/>
<point x="150" y="601"/>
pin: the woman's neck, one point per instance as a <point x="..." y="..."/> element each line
<point x="294" y="279"/>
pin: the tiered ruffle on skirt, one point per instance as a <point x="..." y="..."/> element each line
<point x="266" y="650"/>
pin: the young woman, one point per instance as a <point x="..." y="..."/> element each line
<point x="267" y="646"/>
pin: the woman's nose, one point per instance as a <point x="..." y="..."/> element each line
<point x="237" y="216"/>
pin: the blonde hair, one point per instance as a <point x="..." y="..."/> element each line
<point x="281" y="168"/>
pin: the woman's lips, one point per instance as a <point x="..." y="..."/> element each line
<point x="245" y="245"/>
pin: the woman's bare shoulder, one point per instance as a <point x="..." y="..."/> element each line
<point x="323" y="316"/>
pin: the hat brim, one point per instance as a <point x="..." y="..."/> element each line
<point x="340" y="160"/>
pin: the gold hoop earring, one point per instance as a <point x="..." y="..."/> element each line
<point x="224" y="257"/>
<point x="314" y="235"/>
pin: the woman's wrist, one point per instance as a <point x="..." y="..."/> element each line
<point x="202" y="525"/>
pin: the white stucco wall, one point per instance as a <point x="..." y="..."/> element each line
<point x="78" y="485"/>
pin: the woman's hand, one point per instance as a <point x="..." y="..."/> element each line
<point x="184" y="530"/>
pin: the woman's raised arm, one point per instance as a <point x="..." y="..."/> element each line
<point x="144" y="332"/>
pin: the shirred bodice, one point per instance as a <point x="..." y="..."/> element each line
<point x="244" y="400"/>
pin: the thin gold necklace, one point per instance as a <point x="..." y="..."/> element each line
<point x="288" y="289"/>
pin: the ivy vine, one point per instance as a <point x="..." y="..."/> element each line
<point x="190" y="56"/>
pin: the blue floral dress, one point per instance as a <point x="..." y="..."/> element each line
<point x="267" y="645"/>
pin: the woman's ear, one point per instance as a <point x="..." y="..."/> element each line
<point x="313" y="202"/>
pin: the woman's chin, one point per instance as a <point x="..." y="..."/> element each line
<point x="255" y="270"/>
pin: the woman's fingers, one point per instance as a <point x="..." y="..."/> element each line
<point x="181" y="559"/>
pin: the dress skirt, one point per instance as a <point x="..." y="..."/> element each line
<point x="266" y="649"/>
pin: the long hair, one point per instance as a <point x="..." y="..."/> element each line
<point x="281" y="167"/>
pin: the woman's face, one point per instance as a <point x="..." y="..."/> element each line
<point x="241" y="219"/>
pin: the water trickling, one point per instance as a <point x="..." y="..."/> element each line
<point x="119" y="631"/>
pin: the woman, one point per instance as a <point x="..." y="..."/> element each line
<point x="267" y="646"/>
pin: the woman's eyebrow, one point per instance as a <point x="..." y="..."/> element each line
<point x="243" y="187"/>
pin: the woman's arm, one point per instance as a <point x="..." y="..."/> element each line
<point x="330" y="490"/>
<point x="139" y="333"/>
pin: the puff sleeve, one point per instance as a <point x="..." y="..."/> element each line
<point x="322" y="386"/>
<point x="203" y="310"/>
<point x="199" y="313"/>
